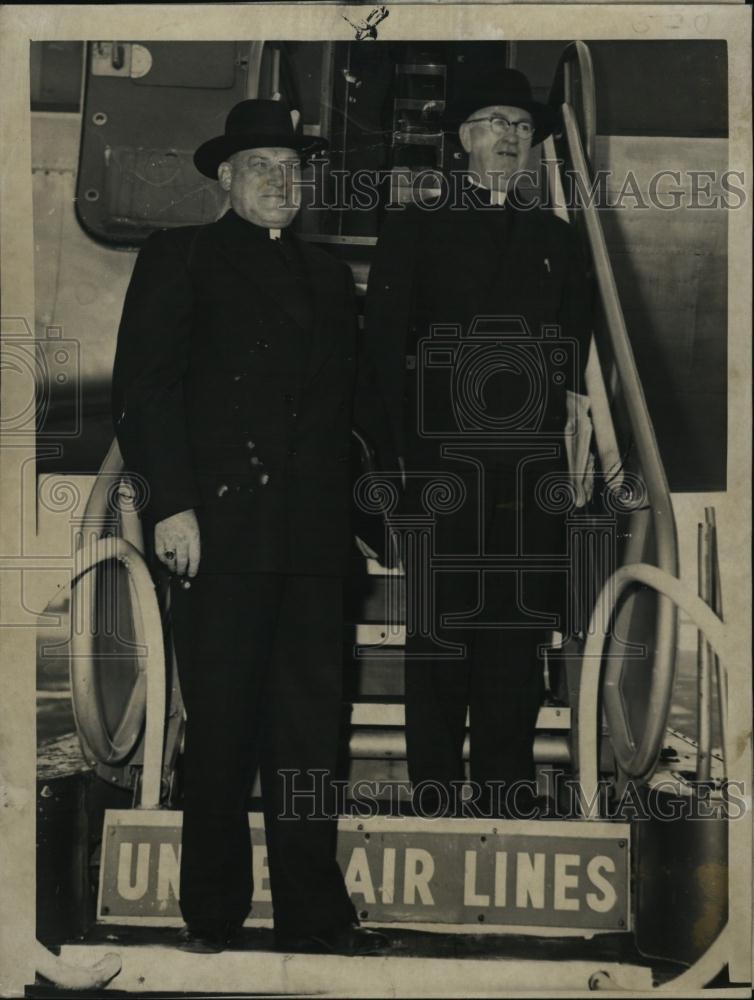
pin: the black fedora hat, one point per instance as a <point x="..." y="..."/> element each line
<point x="253" y="124"/>
<point x="507" y="87"/>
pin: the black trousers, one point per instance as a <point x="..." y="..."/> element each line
<point x="260" y="665"/>
<point x="499" y="675"/>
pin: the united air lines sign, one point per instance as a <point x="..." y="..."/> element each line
<point x="511" y="873"/>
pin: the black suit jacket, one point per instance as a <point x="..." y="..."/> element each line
<point x="232" y="395"/>
<point x="448" y="266"/>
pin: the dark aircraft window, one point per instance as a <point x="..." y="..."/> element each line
<point x="56" y="75"/>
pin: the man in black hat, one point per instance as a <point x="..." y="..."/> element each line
<point x="232" y="396"/>
<point x="477" y="329"/>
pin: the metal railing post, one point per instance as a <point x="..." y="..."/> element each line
<point x="704" y="674"/>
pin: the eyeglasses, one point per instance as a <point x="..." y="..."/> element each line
<point x="500" y="125"/>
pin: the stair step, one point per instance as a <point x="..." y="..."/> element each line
<point x="160" y="970"/>
<point x="380" y="634"/>
<point x="375" y="713"/>
<point x="369" y="744"/>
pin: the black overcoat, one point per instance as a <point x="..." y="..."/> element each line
<point x="447" y="266"/>
<point x="232" y="394"/>
<point x="438" y="272"/>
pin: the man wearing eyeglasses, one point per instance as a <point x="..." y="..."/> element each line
<point x="477" y="329"/>
<point x="498" y="140"/>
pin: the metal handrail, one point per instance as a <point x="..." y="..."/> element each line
<point x="603" y="428"/>
<point x="145" y="708"/>
<point x="703" y="617"/>
<point x="637" y="761"/>
<point x="103" y="514"/>
<point x="562" y="91"/>
<point x="75" y="977"/>
<point x="722" y="641"/>
<point x="98" y="744"/>
<point x="104" y="507"/>
<point x="646" y="442"/>
<point x="717" y="606"/>
<point x="147" y="699"/>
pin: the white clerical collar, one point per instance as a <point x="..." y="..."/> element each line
<point x="274" y="234"/>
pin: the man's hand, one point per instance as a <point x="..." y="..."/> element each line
<point x="176" y="543"/>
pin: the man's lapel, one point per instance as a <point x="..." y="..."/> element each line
<point x="327" y="300"/>
<point x="503" y="233"/>
<point x="521" y="260"/>
<point x="514" y="262"/>
<point x="484" y="240"/>
<point x="248" y="253"/>
<point x="272" y="281"/>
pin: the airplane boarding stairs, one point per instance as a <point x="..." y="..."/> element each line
<point x="547" y="904"/>
<point x="559" y="956"/>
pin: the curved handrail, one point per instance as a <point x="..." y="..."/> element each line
<point x="702" y="616"/>
<point x="75" y="977"/>
<point x="723" y="642"/>
<point x="704" y="970"/>
<point x="562" y="89"/>
<point x="99" y="507"/>
<point x="102" y="746"/>
<point x="102" y="513"/>
<point x="102" y="509"/>
<point x="147" y="701"/>
<point x="636" y="761"/>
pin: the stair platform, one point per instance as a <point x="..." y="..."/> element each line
<point x="420" y="964"/>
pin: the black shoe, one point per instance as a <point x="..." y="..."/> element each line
<point x="205" y="942"/>
<point x="348" y="940"/>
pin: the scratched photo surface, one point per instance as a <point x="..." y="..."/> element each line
<point x="441" y="340"/>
